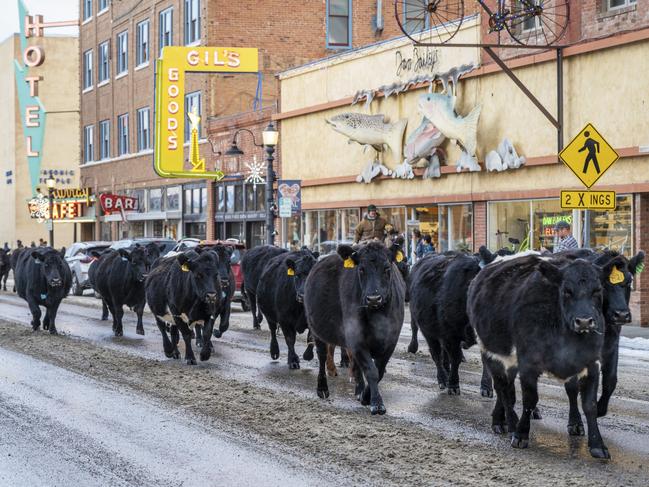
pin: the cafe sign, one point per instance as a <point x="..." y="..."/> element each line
<point x="67" y="204"/>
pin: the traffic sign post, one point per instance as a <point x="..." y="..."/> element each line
<point x="589" y="156"/>
<point x="588" y="200"/>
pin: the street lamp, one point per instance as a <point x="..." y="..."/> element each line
<point x="50" y="182"/>
<point x="270" y="137"/>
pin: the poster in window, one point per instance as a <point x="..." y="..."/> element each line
<point x="292" y="190"/>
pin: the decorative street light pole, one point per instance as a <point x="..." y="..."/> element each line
<point x="270" y="136"/>
<point x="50" y="181"/>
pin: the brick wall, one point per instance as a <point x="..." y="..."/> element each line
<point x="479" y="224"/>
<point x="641" y="224"/>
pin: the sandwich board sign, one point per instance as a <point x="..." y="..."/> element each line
<point x="170" y="110"/>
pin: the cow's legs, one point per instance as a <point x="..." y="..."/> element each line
<point x="323" y="388"/>
<point x="503" y="417"/>
<point x="486" y="383"/>
<point x="139" y="311"/>
<point x="414" y="343"/>
<point x="454" y="353"/>
<point x="274" y="346"/>
<point x="206" y="351"/>
<point x="609" y="379"/>
<point x="357" y="373"/>
<point x="438" y="357"/>
<point x="363" y="359"/>
<point x="104" y="310"/>
<point x="4" y="281"/>
<point x="199" y="334"/>
<point x="331" y="364"/>
<point x="257" y="317"/>
<point x="36" y="314"/>
<point x="344" y="357"/>
<point x="529" y="388"/>
<point x="187" y="338"/>
<point x="50" y="316"/>
<point x="171" y="351"/>
<point x="113" y="314"/>
<point x="289" y="337"/>
<point x="117" y="317"/>
<point x="575" y="424"/>
<point x="308" y="352"/>
<point x="588" y="386"/>
<point x="224" y="322"/>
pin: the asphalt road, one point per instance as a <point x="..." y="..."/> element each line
<point x="258" y="408"/>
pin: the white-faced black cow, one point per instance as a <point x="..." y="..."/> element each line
<point x="356" y="300"/>
<point x="280" y="297"/>
<point x="252" y="266"/>
<point x="183" y="291"/>
<point x="43" y="278"/>
<point x="617" y="293"/>
<point x="438" y="295"/>
<point x="533" y="316"/>
<point x="119" y="279"/>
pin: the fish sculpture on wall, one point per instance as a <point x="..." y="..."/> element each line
<point x="372" y="131"/>
<point x="423" y="143"/>
<point x="439" y="109"/>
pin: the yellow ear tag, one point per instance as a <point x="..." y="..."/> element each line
<point x="185" y="268"/>
<point x="399" y="256"/>
<point x="349" y="263"/>
<point x="616" y="276"/>
<point x="290" y="272"/>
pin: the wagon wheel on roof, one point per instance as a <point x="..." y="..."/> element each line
<point x="428" y="22"/>
<point x="538" y="22"/>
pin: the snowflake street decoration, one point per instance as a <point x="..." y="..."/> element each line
<point x="39" y="208"/>
<point x="255" y="172"/>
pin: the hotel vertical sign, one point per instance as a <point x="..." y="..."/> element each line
<point x="170" y="110"/>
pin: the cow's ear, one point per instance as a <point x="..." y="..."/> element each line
<point x="345" y="251"/>
<point x="485" y="254"/>
<point x="124" y="254"/>
<point x="316" y="255"/>
<point x="161" y="247"/>
<point x="62" y="252"/>
<point x="290" y="267"/>
<point x="182" y="259"/>
<point x="37" y="257"/>
<point x="611" y="270"/>
<point x="396" y="254"/>
<point x="636" y="264"/>
<point x="550" y="272"/>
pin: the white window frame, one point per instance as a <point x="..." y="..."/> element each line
<point x="88" y="80"/>
<point x="166" y="19"/>
<point x="101" y="10"/>
<point x="142" y="43"/>
<point x="104" y="139"/>
<point x="122" y="134"/>
<point x="103" y="61"/>
<point x="88" y="143"/>
<point x="192" y="22"/>
<point x="626" y="4"/>
<point x="143" y="129"/>
<point x="87" y="10"/>
<point x="122" y="53"/>
<point x="189" y="103"/>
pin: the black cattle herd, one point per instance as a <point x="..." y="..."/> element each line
<point x="529" y="313"/>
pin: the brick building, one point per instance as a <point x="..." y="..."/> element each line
<point x="118" y="43"/>
<point x="605" y="58"/>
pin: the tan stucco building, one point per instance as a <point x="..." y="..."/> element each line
<point x="604" y="84"/>
<point x="58" y="92"/>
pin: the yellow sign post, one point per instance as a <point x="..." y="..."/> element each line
<point x="170" y="103"/>
<point x="588" y="200"/>
<point x="589" y="155"/>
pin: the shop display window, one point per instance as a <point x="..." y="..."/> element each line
<point x="455" y="227"/>
<point x="324" y="230"/>
<point x="611" y="229"/>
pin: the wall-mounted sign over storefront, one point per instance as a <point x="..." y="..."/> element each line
<point x="67" y="204"/>
<point x="170" y="100"/>
<point x="114" y="203"/>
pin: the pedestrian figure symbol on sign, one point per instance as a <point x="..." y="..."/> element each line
<point x="593" y="149"/>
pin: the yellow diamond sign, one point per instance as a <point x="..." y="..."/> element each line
<point x="589" y="155"/>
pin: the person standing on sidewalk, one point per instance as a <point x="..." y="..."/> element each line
<point x="566" y="240"/>
<point x="372" y="227"/>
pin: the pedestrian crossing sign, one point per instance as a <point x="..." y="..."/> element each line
<point x="589" y="155"/>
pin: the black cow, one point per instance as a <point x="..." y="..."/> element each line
<point x="5" y="267"/>
<point x="43" y="278"/>
<point x="280" y="297"/>
<point x="182" y="291"/>
<point x="617" y="293"/>
<point x="533" y="316"/>
<point x="356" y="300"/>
<point x="119" y="279"/>
<point x="226" y="282"/>
<point x="252" y="265"/>
<point x="13" y="261"/>
<point x="438" y="294"/>
<point x="92" y="278"/>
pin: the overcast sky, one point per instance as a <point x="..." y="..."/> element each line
<point x="51" y="10"/>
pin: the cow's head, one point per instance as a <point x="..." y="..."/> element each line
<point x="224" y="254"/>
<point x="51" y="265"/>
<point x="137" y="260"/>
<point x="298" y="267"/>
<point x="617" y="277"/>
<point x="373" y="265"/>
<point x="580" y="294"/>
<point x="152" y="252"/>
<point x="203" y="274"/>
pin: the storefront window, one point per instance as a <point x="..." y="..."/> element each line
<point x="155" y="199"/>
<point x="173" y="198"/>
<point x="220" y="199"/>
<point x="105" y="231"/>
<point x="324" y="230"/>
<point x="196" y="200"/>
<point x="234" y="230"/>
<point x="136" y="229"/>
<point x="455" y="227"/>
<point x="250" y="197"/>
<point x="260" y="189"/>
<point x="395" y="216"/>
<point x="158" y="228"/>
<point x="195" y="230"/>
<point x="229" y="198"/>
<point x="428" y="218"/>
<point x="508" y="220"/>
<point x="611" y="229"/>
<point x="546" y="214"/>
<point x="238" y="198"/>
<point x="203" y="192"/>
<point x="188" y="202"/>
<point x="139" y="194"/>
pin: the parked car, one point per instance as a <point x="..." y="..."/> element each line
<point x="79" y="259"/>
<point x="128" y="243"/>
<point x="238" y="249"/>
